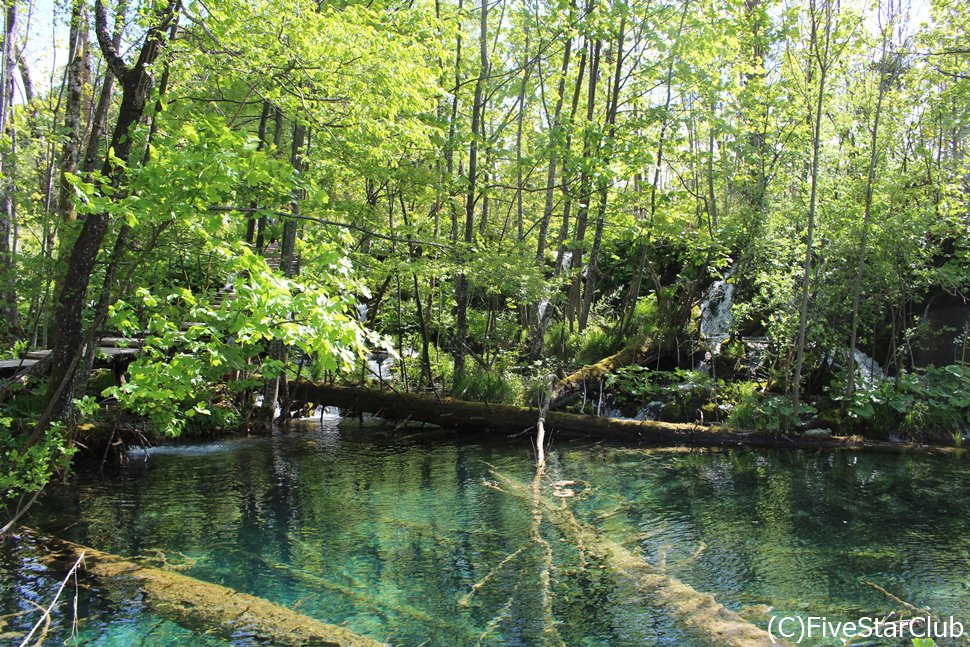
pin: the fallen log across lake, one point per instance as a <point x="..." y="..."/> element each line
<point x="197" y="605"/>
<point x="503" y="418"/>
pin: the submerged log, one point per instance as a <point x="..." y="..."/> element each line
<point x="587" y="379"/>
<point x="202" y="606"/>
<point x="699" y="613"/>
<point x="502" y="418"/>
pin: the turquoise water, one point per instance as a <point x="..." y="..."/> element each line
<point x="387" y="530"/>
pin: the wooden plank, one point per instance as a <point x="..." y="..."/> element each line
<point x="120" y="342"/>
<point x="111" y="351"/>
<point x="14" y="364"/>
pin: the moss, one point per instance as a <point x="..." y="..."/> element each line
<point x="671" y="412"/>
<point x="204" y="606"/>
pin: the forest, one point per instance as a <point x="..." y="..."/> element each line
<point x="756" y="197"/>
<point x="717" y="223"/>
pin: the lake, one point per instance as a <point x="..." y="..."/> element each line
<point x="400" y="535"/>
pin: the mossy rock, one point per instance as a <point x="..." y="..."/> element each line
<point x="671" y="412"/>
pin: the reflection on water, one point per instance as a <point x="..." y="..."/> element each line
<point x="386" y="530"/>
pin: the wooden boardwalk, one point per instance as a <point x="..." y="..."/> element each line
<point x="112" y="352"/>
<point x="117" y="352"/>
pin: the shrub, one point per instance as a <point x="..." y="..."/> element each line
<point x="496" y="385"/>
<point x="933" y="403"/>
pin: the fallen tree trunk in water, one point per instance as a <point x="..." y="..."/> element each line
<point x="569" y="388"/>
<point x="203" y="606"/>
<point x="503" y="418"/>
<point x="699" y="613"/>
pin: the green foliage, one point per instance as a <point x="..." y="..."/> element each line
<point x="750" y="408"/>
<point x="683" y="392"/>
<point x="176" y="365"/>
<point x="932" y="403"/>
<point x="645" y="320"/>
<point x="26" y="468"/>
<point x="703" y="168"/>
<point x="743" y="400"/>
<point x="220" y="417"/>
<point x="489" y="386"/>
<point x="594" y="344"/>
<point x="498" y="383"/>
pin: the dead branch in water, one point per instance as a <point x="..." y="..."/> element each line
<point x="46" y="617"/>
<point x="699" y="613"/>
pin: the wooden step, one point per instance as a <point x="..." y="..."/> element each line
<point x="8" y="365"/>
<point x="120" y="342"/>
<point x="112" y="351"/>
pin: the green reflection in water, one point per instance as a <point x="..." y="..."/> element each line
<point x="387" y="532"/>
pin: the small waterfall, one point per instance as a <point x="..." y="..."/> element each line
<point x="380" y="366"/>
<point x="756" y="354"/>
<point x="258" y="403"/>
<point x="362" y="310"/>
<point x="716" y="317"/>
<point x="328" y="412"/>
<point x="649" y="411"/>
<point x="541" y="310"/>
<point x="716" y="320"/>
<point x="868" y="368"/>
<point x="567" y="259"/>
<point x="318" y="412"/>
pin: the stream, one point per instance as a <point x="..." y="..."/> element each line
<point x="386" y="530"/>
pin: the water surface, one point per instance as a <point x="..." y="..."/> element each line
<point x="388" y="530"/>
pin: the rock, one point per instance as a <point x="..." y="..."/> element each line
<point x="671" y="412"/>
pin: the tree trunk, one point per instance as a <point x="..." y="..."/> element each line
<point x="582" y="214"/>
<point x="592" y="272"/>
<point x="8" y="209"/>
<point x="197" y="605"/>
<point x="867" y="216"/>
<point x="461" y="284"/>
<point x="822" y="57"/>
<point x="463" y="417"/>
<point x="263" y="122"/>
<point x="527" y="69"/>
<point x="99" y="119"/>
<point x="561" y="261"/>
<point x="644" y="263"/>
<point x="78" y="73"/>
<point x="136" y="85"/>
<point x="277" y="351"/>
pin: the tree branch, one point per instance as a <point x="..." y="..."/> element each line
<point x="116" y="64"/>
